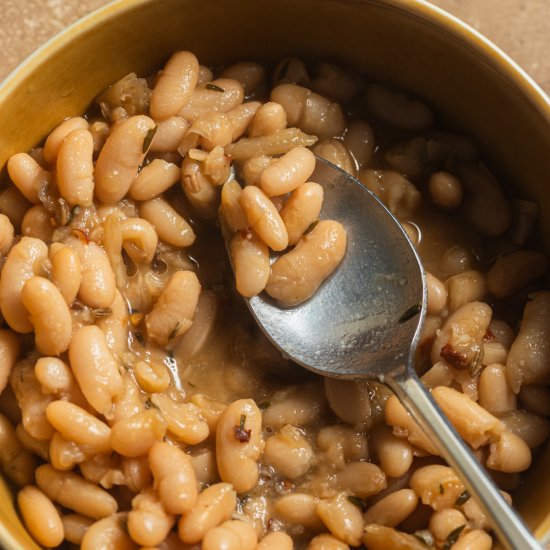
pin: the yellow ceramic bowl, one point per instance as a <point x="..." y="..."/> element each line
<point x="405" y="43"/>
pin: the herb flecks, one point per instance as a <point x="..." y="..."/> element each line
<point x="214" y="87"/>
<point x="462" y="498"/>
<point x="149" y="139"/>
<point x="413" y="311"/>
<point x="359" y="502"/>
<point x="138" y="337"/>
<point x="453" y="537"/>
<point x="174" y="332"/>
<point x="311" y="227"/>
<point x="441" y="489"/>
<point x="241" y="434"/>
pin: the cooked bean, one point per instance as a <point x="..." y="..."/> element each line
<point x="253" y="168"/>
<point x="398" y="193"/>
<point x="13" y="205"/>
<point x="391" y="510"/>
<point x="6" y="234"/>
<point x="264" y="218"/>
<point x="66" y="271"/>
<point x="476" y="425"/>
<point x="95" y="369"/>
<point x="342" y="518"/>
<point x="239" y="444"/>
<point x="364" y="479"/>
<point x="486" y="207"/>
<point x="148" y="522"/>
<point x="457" y="259"/>
<point x="134" y="436"/>
<point x="512" y="272"/>
<point x="334" y="82"/>
<point x="476" y="516"/>
<point x="326" y="542"/>
<point x="17" y="463"/>
<point x="509" y="454"/>
<point x="73" y="492"/>
<point x="396" y="109"/>
<point x="250" y="74"/>
<point x="220" y="95"/>
<point x="75" y="168"/>
<point x="528" y="361"/>
<point x="24" y="261"/>
<point x="49" y="314"/>
<point x="336" y="152"/>
<point x="97" y="284"/>
<point x="296" y="275"/>
<point x="495" y="394"/>
<point x="437" y="294"/>
<point x="10" y="346"/>
<point x="75" y="527"/>
<point x="231" y="211"/>
<point x="378" y="537"/>
<point x="56" y="137"/>
<point x="214" y="506"/>
<point x="269" y="118"/>
<point x="359" y="140"/>
<point x="109" y="533"/>
<point x="394" y="454"/>
<point x="291" y="69"/>
<point x="199" y="189"/>
<point x="151" y="377"/>
<point x="173" y="312"/>
<point x="299" y="509"/>
<point x="169" y="134"/>
<point x="342" y="443"/>
<point x="277" y="540"/>
<point x="155" y="178"/>
<point x="474" y="540"/>
<point x="37" y="223"/>
<point x="349" y="400"/>
<point x="40" y="516"/>
<point x="250" y="260"/>
<point x="115" y="325"/>
<point x="465" y="287"/>
<point x="289" y="452"/>
<point x="174" y="478"/>
<point x="444" y="522"/>
<point x="231" y="535"/>
<point x="437" y="486"/>
<point x="36" y="446"/>
<point x="460" y="340"/>
<point x="494" y="352"/>
<point x="445" y="190"/>
<point x="311" y="112"/>
<point x="301" y="210"/>
<point x="184" y="420"/>
<point x="119" y="159"/>
<point x="240" y="118"/>
<point x="32" y="402"/>
<point x="64" y="454"/>
<point x="176" y="84"/>
<point x="534" y="397"/>
<point x="28" y="176"/>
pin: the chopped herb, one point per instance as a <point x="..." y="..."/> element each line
<point x="462" y="498"/>
<point x="284" y="69"/>
<point x="241" y="434"/>
<point x="425" y="537"/>
<point x="174" y="331"/>
<point x="359" y="502"/>
<point x="453" y="537"/>
<point x="214" y="88"/>
<point x="410" y="313"/>
<point x="263" y="406"/>
<point x="311" y="227"/>
<point x="189" y="383"/>
<point x="123" y="522"/>
<point x="148" y="139"/>
<point x="139" y="337"/>
<point x="149" y="404"/>
<point x="441" y="489"/>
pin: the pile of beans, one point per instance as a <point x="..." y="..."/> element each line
<point x="140" y="407"/>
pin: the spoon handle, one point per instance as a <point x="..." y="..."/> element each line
<point x="509" y="527"/>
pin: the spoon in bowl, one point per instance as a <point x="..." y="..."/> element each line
<point x="365" y="322"/>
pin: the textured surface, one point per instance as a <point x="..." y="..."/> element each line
<point x="520" y="27"/>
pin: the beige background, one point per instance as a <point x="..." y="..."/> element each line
<point x="520" y="27"/>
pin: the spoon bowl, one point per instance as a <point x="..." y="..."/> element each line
<point x="365" y="321"/>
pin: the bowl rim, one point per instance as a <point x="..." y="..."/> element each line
<point x="450" y="24"/>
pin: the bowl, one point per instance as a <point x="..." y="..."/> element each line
<point x="408" y="44"/>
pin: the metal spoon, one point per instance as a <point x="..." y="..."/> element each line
<point x="365" y="321"/>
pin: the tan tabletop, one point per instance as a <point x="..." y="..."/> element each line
<point x="519" y="27"/>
